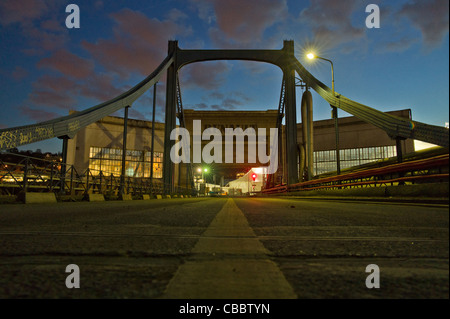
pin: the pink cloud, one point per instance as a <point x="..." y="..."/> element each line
<point x="100" y="86"/>
<point x="54" y="83"/>
<point x="41" y="28"/>
<point x="38" y="115"/>
<point x="209" y="75"/>
<point x="139" y="43"/>
<point x="246" y="21"/>
<point x="53" y="25"/>
<point x="330" y="22"/>
<point x="430" y="17"/>
<point x="41" y="40"/>
<point x="52" y="99"/>
<point x="68" y="64"/>
<point x="62" y="92"/>
<point x="19" y="73"/>
<point x="21" y="11"/>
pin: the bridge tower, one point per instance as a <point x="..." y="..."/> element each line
<point x="282" y="58"/>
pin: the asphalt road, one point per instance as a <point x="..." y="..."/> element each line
<point x="298" y="248"/>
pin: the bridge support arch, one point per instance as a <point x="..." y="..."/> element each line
<point x="281" y="58"/>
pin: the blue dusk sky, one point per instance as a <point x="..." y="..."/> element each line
<point x="47" y="69"/>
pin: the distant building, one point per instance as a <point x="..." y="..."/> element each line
<point x="99" y="148"/>
<point x="359" y="142"/>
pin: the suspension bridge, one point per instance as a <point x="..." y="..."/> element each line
<point x="66" y="127"/>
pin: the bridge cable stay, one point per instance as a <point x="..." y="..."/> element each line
<point x="396" y="127"/>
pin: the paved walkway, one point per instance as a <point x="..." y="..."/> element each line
<point x="229" y="262"/>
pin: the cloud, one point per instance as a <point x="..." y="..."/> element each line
<point x="176" y="14"/>
<point x="240" y="23"/>
<point x="205" y="9"/>
<point x="227" y="102"/>
<point x="400" y="45"/>
<point x="98" y="4"/>
<point x="242" y="96"/>
<point x="52" y="99"/>
<point x="243" y="23"/>
<point x="201" y="106"/>
<point x="331" y="23"/>
<point x="76" y="77"/>
<point x="41" y="40"/>
<point x="215" y="95"/>
<point x="206" y="75"/>
<point x="38" y="114"/>
<point x="54" y="83"/>
<point x="21" y="11"/>
<point x="138" y="45"/>
<point x="430" y="17"/>
<point x="100" y="87"/>
<point x="40" y="26"/>
<point x="68" y="64"/>
<point x="246" y="21"/>
<point x="216" y="107"/>
<point x="19" y="73"/>
<point x="62" y="92"/>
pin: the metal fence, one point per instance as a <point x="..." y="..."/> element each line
<point x="20" y="173"/>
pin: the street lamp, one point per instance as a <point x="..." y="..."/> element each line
<point x="334" y="115"/>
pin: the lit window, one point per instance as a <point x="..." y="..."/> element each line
<point x="137" y="164"/>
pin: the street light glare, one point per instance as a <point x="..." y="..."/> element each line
<point x="311" y="56"/>
<point x="206" y="170"/>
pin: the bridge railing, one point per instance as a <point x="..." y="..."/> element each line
<point x="20" y="173"/>
<point x="430" y="170"/>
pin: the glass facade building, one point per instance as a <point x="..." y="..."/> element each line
<point x="325" y="161"/>
<point x="137" y="163"/>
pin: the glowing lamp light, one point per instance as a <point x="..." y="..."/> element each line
<point x="311" y="56"/>
<point x="254" y="176"/>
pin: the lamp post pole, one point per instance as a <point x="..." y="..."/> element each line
<point x="334" y="114"/>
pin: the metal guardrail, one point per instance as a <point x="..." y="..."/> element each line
<point x="28" y="174"/>
<point x="434" y="169"/>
